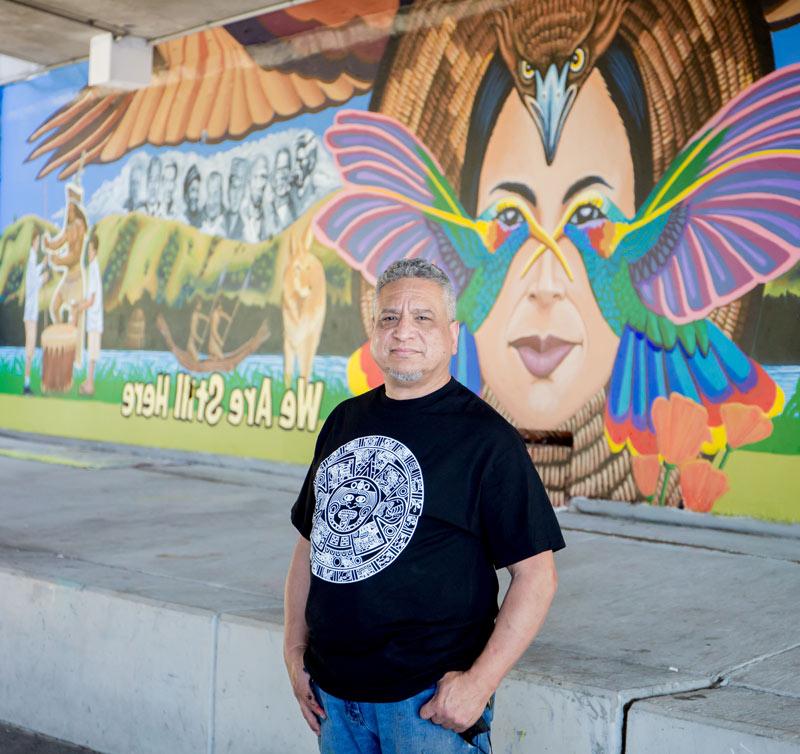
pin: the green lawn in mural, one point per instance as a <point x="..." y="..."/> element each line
<point x="785" y="437"/>
<point x="112" y="376"/>
<point x="762" y="486"/>
<point x="89" y="420"/>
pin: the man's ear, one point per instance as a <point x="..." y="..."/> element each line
<point x="454" y="328"/>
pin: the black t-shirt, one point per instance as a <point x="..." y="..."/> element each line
<point x="410" y="505"/>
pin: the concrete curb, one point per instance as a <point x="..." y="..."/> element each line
<point x="162" y="455"/>
<point x="679" y="517"/>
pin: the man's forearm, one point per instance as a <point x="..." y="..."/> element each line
<point x="533" y="585"/>
<point x="295" y="637"/>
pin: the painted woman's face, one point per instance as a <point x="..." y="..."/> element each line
<point x="545" y="348"/>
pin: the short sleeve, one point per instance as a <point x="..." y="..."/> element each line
<point x="517" y="517"/>
<point x="303" y="509"/>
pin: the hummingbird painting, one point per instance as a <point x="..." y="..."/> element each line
<point x="397" y="203"/>
<point x="724" y="218"/>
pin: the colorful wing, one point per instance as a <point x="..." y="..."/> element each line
<point x="210" y="87"/>
<point x="396" y="202"/>
<point x="726" y="216"/>
<point x="712" y="375"/>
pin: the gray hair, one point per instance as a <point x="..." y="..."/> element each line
<point x="417" y="268"/>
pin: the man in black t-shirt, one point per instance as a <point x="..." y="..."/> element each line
<point x="417" y="492"/>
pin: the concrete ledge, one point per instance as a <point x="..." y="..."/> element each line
<point x="113" y="674"/>
<point x="141" y="611"/>
<point x="716" y="720"/>
<point x="123" y="673"/>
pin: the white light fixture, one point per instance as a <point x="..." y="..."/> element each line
<point x="124" y="63"/>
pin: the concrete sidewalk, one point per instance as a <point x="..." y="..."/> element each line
<point x="141" y="612"/>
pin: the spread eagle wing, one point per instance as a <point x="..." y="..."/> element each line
<point x="396" y="202"/>
<point x="222" y="83"/>
<point x="726" y="215"/>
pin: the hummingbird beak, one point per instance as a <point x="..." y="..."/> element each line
<point x="547" y="242"/>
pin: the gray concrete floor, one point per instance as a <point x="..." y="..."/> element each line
<point x="640" y="605"/>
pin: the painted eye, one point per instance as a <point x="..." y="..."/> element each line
<point x="577" y="61"/>
<point x="526" y="70"/>
<point x="510" y="217"/>
<point x="585" y="214"/>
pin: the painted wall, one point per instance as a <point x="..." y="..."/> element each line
<point x="617" y="202"/>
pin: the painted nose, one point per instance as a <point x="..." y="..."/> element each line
<point x="546" y="282"/>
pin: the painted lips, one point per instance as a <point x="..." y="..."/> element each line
<point x="542" y="355"/>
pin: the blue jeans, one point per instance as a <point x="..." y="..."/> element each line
<point x="391" y="728"/>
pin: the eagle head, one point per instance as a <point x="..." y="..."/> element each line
<point x="550" y="48"/>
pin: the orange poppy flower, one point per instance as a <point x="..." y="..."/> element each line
<point x="702" y="485"/>
<point x="744" y="424"/>
<point x="646" y="470"/>
<point x="681" y="428"/>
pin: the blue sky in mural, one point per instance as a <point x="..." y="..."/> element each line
<point x="27" y="104"/>
<point x="786" y="45"/>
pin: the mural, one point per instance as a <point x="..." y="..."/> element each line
<point x="617" y="201"/>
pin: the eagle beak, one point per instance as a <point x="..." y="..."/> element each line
<point x="551" y="105"/>
<point x="547" y="242"/>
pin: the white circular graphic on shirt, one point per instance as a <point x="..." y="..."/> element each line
<point x="369" y="496"/>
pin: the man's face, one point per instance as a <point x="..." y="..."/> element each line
<point x="413" y="338"/>
<point x="137" y="185"/>
<point x="235" y="190"/>
<point x="282" y="174"/>
<point x="153" y="181"/>
<point x="300" y="158"/>
<point x="193" y="195"/>
<point x="168" y="182"/>
<point x="258" y="182"/>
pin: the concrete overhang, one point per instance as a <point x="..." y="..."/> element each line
<point x="51" y="35"/>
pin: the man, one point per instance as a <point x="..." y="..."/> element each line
<point x="169" y="179"/>
<point x="305" y="160"/>
<point x="236" y="185"/>
<point x="193" y="214"/>
<point x="65" y="252"/>
<point x="153" y="204"/>
<point x="417" y="492"/>
<point x="283" y="211"/>
<point x="93" y="306"/>
<point x="214" y="212"/>
<point x="137" y="188"/>
<point x="35" y="276"/>
<point x="254" y="220"/>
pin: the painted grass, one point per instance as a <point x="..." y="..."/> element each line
<point x="109" y="383"/>
<point x="762" y="486"/>
<point x="92" y="420"/>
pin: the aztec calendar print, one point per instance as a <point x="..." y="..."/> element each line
<point x="369" y="497"/>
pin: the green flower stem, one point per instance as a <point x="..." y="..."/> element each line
<point x="669" y="467"/>
<point x="725" y="455"/>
